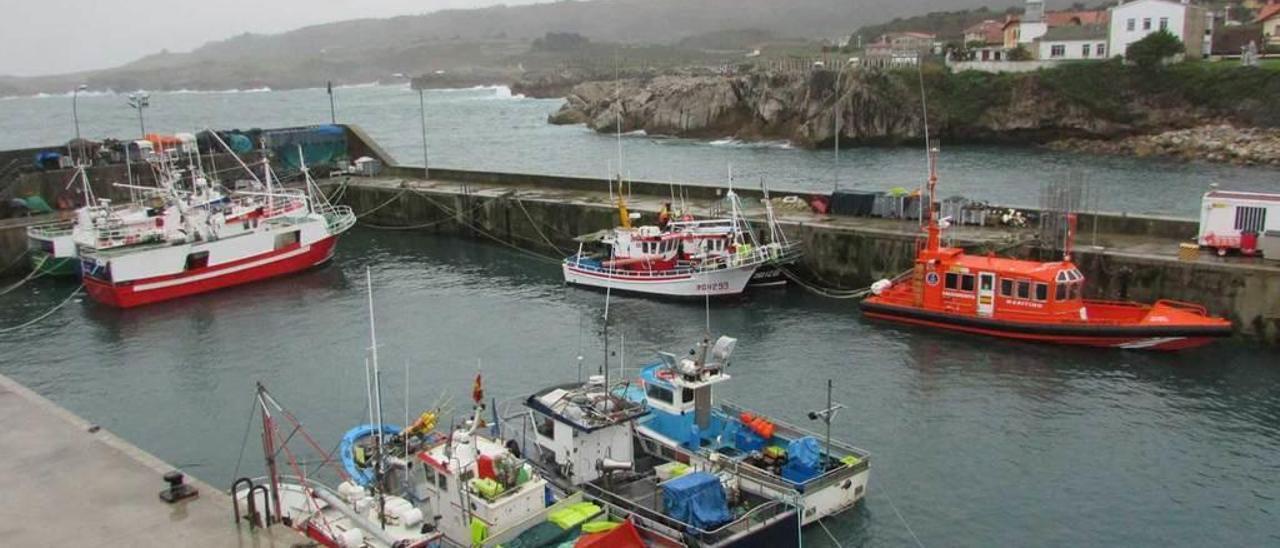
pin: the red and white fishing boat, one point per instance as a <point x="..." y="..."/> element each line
<point x="198" y="240"/>
<point x="1028" y="300"/>
<point x="686" y="258"/>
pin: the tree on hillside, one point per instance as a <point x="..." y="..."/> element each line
<point x="1154" y="49"/>
<point x="1019" y="53"/>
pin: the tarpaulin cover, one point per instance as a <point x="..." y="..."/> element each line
<point x="858" y="204"/>
<point x="239" y="143"/>
<point x="803" y="460"/>
<point x="622" y="536"/>
<point x="540" y="535"/>
<point x="696" y="498"/>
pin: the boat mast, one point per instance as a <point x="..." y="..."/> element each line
<point x="377" y="395"/>
<point x="931" y="220"/>
<point x="268" y="447"/>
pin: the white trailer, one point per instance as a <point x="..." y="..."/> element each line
<point x="1226" y="217"/>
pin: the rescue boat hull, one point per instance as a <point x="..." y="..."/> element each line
<point x="163" y="288"/>
<point x="1135" y="337"/>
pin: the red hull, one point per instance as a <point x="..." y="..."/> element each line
<point x="1152" y="341"/>
<point x="126" y="295"/>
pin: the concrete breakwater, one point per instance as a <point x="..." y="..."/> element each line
<point x="1136" y="258"/>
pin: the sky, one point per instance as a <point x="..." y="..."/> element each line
<point x="39" y="37"/>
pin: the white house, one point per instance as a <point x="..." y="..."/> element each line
<point x="1134" y="20"/>
<point x="1032" y="24"/>
<point x="1073" y="43"/>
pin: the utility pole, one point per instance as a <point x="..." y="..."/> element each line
<point x="140" y="100"/>
<point x="75" y="115"/>
<point x="333" y="111"/>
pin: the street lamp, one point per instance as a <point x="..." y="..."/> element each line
<point x="140" y="100"/>
<point x="422" y="113"/>
<point x="75" y="112"/>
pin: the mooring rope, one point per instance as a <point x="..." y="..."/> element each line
<point x="15" y="261"/>
<point x="35" y="273"/>
<point x="383" y="204"/>
<point x="536" y="228"/>
<point x="458" y="218"/>
<point x="829" y="535"/>
<point x="899" y="514"/>
<point x="46" y="314"/>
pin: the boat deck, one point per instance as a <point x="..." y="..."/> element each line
<point x="69" y="484"/>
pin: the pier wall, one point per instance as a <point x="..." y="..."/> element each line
<point x="843" y="256"/>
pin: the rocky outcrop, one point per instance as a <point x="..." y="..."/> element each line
<point x="1213" y="143"/>
<point x="874" y="107"/>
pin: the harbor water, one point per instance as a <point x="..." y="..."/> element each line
<point x="489" y="129"/>
<point x="975" y="442"/>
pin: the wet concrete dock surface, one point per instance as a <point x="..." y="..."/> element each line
<point x="67" y="483"/>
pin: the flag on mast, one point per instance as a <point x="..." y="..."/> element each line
<point x="477" y="390"/>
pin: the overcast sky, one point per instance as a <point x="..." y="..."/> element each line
<point x="55" y="36"/>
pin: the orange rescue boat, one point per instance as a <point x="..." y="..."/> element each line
<point x="1029" y="300"/>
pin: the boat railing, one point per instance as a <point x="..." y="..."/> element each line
<point x="498" y="538"/>
<point x="1184" y="306"/>
<point x="338" y="218"/>
<point x="646" y="517"/>
<point x="838" y="449"/>
<point x="52" y="230"/>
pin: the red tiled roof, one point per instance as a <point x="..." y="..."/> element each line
<point x="1063" y="18"/>
<point x="1267" y="12"/>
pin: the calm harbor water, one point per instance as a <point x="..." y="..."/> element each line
<point x="488" y="129"/>
<point x="975" y="442"/>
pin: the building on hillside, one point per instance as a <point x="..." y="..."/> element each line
<point x="1035" y="22"/>
<point x="1072" y="43"/>
<point x="884" y="55"/>
<point x="985" y="41"/>
<point x="1135" y="19"/>
<point x="1269" y="18"/>
<point x="918" y="42"/>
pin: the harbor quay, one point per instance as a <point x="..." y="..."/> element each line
<point x="1125" y="257"/>
<point x="69" y="482"/>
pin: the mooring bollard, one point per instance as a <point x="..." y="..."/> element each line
<point x="178" y="489"/>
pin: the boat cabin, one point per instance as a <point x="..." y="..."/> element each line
<point x="473" y="482"/>
<point x="643" y="248"/>
<point x="580" y="426"/>
<point x="990" y="286"/>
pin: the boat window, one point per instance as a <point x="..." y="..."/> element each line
<point x="659" y="393"/>
<point x="287" y="239"/>
<point x="1063" y="277"/>
<point x="545" y="425"/>
<point x="1060" y="293"/>
<point x="430" y="474"/>
<point x="1006" y="288"/>
<point x="953" y="281"/>
<point x="1042" y="292"/>
<point x="1024" y="290"/>
<point x="1075" y="290"/>
<point x="966" y="283"/>
<point x="199" y="259"/>
<point x="442" y="481"/>
<point x="686" y="395"/>
<point x="987" y="281"/>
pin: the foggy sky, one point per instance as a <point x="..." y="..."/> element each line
<point x="40" y="37"/>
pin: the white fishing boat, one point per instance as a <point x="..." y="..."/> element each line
<point x="199" y="240"/>
<point x="686" y="258"/>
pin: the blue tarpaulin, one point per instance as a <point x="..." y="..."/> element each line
<point x="804" y="460"/>
<point x="696" y="498"/>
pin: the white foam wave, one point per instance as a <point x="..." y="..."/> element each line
<point x="739" y="143"/>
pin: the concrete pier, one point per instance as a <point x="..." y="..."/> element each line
<point x="68" y="483"/>
<point x="1135" y="258"/>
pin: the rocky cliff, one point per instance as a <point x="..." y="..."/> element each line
<point x="1098" y="101"/>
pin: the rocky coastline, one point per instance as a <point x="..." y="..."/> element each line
<point x="1219" y="143"/>
<point x="883" y="107"/>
